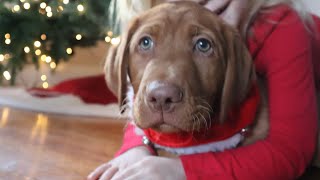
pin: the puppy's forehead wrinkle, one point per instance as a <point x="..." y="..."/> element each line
<point x="162" y="27"/>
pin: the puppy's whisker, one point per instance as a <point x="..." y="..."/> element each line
<point x="124" y="105"/>
<point x="201" y="122"/>
<point x="194" y="119"/>
<point x="123" y="108"/>
<point x="205" y="121"/>
<point x="210" y="120"/>
<point x="202" y="108"/>
<point x="197" y="122"/>
<point x="193" y="123"/>
<point x="191" y="115"/>
<point x="191" y="131"/>
<point x="207" y="105"/>
<point x="125" y="101"/>
<point x="204" y="104"/>
<point x="209" y="109"/>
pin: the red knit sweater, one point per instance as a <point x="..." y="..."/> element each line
<point x="288" y="56"/>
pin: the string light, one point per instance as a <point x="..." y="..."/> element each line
<point x="43" y="77"/>
<point x="49" y="14"/>
<point x="107" y="39"/>
<point x="48" y="9"/>
<point x="37" y="44"/>
<point x="26" y="6"/>
<point x="109" y="33"/>
<point x="26" y="49"/>
<point x="16" y="8"/>
<point x="43" y="5"/>
<point x="53" y="65"/>
<point x="48" y="59"/>
<point x="7" y="75"/>
<point x="38" y="52"/>
<point x="69" y="51"/>
<point x="60" y="8"/>
<point x="45" y="9"/>
<point x="79" y="37"/>
<point x="1" y="57"/>
<point x="65" y="1"/>
<point x="7" y="36"/>
<point x="43" y="37"/>
<point x="45" y="85"/>
<point x="42" y="11"/>
<point x="43" y="57"/>
<point x="80" y="8"/>
<point x="7" y="56"/>
<point x="8" y="41"/>
<point x="115" y="41"/>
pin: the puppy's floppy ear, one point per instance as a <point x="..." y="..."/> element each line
<point x="116" y="66"/>
<point x="239" y="72"/>
<point x="111" y="70"/>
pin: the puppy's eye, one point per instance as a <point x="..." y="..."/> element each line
<point x="203" y="45"/>
<point x="146" y="43"/>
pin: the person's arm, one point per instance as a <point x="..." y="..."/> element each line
<point x="286" y="61"/>
<point x="131" y="152"/>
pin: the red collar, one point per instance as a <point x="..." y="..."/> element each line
<point x="238" y="119"/>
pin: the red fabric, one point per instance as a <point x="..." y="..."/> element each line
<point x="132" y="140"/>
<point x="238" y="119"/>
<point x="287" y="55"/>
<point x="92" y="89"/>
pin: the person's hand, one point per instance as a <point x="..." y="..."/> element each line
<point x="228" y="10"/>
<point x="118" y="164"/>
<point x="153" y="167"/>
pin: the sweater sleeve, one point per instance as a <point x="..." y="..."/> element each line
<point x="285" y="60"/>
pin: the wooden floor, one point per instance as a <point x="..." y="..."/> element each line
<point x="37" y="146"/>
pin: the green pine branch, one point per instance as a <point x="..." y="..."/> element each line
<point x="54" y="25"/>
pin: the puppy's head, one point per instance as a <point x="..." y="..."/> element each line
<point x="187" y="68"/>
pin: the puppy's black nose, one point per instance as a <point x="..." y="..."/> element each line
<point x="163" y="96"/>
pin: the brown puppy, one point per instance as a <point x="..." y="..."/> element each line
<point x="187" y="68"/>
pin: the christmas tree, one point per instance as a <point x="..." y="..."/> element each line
<point x="35" y="31"/>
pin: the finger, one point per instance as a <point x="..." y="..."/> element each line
<point x="109" y="173"/>
<point x="232" y="14"/>
<point x="98" y="171"/>
<point x="126" y="173"/>
<point x="135" y="177"/>
<point x="216" y="5"/>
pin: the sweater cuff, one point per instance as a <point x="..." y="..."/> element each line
<point x="131" y="140"/>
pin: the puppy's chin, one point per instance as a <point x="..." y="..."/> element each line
<point x="166" y="128"/>
<point x="161" y="127"/>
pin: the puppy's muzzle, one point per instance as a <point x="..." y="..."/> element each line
<point x="163" y="97"/>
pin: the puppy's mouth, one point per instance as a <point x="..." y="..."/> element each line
<point x="160" y="123"/>
<point x="166" y="128"/>
<point x="195" y="114"/>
